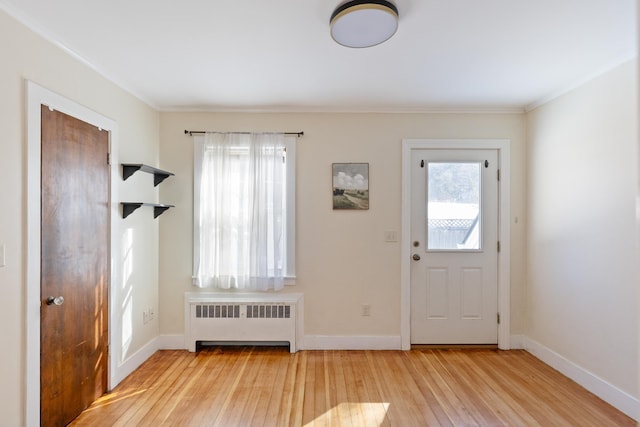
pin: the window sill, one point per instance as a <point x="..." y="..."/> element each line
<point x="288" y="280"/>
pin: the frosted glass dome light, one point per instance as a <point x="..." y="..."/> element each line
<point x="361" y="23"/>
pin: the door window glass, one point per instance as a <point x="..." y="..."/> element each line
<point x="453" y="206"/>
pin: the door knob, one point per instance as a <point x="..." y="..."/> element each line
<point x="55" y="300"/>
<point x="416" y="257"/>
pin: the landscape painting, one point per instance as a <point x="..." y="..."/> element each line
<point x="351" y="186"/>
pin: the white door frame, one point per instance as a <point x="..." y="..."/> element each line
<point x="37" y="95"/>
<point x="502" y="145"/>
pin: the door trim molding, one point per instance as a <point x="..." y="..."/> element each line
<point x="504" y="257"/>
<point x="37" y="95"/>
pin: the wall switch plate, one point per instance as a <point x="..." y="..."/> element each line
<point x="366" y="310"/>
<point x="391" y="236"/>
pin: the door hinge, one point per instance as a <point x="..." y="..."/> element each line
<point x="498" y="246"/>
<point x="108" y="158"/>
<point x="422" y="163"/>
<point x="498" y="174"/>
<point x="498" y="316"/>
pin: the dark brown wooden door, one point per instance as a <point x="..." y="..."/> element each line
<point x="75" y="266"/>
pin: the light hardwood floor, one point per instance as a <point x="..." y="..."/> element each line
<point x="254" y="386"/>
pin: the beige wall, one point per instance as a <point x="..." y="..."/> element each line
<point x="25" y="55"/>
<point x="581" y="150"/>
<point x="582" y="250"/>
<point x="342" y="258"/>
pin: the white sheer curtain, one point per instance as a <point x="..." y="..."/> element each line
<point x="239" y="209"/>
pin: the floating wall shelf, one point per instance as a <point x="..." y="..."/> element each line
<point x="159" y="175"/>
<point x="129" y="207"/>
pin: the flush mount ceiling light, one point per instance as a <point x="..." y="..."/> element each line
<point x="362" y="23"/>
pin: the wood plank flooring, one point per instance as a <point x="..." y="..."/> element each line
<point x="262" y="386"/>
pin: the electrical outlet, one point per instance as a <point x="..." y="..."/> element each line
<point x="145" y="317"/>
<point x="365" y="310"/>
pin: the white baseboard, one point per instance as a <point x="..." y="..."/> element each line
<point x="360" y="342"/>
<point x="517" y="342"/>
<point x="311" y="342"/>
<point x="620" y="399"/>
<point x="171" y="342"/>
<point x="133" y="362"/>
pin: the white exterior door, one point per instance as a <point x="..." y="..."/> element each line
<point x="454" y="246"/>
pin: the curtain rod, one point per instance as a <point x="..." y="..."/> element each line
<point x="193" y="132"/>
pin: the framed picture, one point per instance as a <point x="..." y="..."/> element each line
<point x="351" y="186"/>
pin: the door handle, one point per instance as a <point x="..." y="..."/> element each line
<point x="416" y="257"/>
<point x="55" y="300"/>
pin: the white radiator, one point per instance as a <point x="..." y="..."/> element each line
<point x="243" y="317"/>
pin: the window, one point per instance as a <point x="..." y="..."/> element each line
<point x="453" y="206"/>
<point x="244" y="210"/>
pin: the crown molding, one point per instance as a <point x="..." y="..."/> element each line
<point x="349" y="110"/>
<point x="52" y="38"/>
<point x="581" y="82"/>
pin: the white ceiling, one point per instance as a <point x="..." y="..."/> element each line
<point x="277" y="55"/>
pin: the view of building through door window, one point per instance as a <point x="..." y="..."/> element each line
<point x="453" y="206"/>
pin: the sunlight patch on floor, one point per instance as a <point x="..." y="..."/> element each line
<point x="366" y="414"/>
<point x="111" y="398"/>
